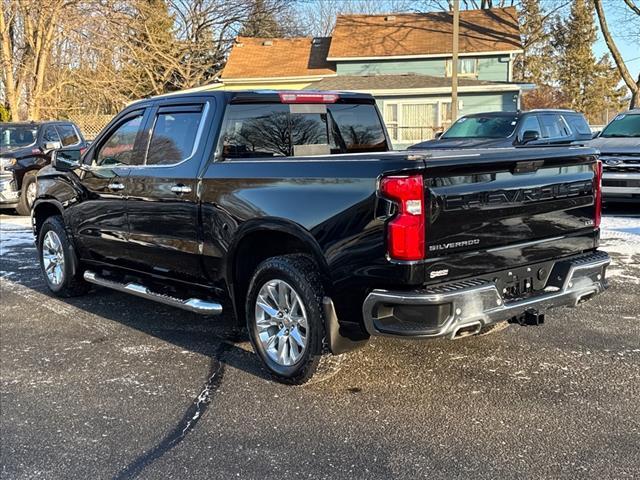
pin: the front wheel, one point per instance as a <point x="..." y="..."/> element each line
<point x="285" y="318"/>
<point x="58" y="260"/>
<point x="27" y="194"/>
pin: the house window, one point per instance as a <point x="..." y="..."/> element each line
<point x="411" y="122"/>
<point x="467" y="67"/>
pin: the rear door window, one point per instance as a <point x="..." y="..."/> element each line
<point x="578" y="124"/>
<point x="530" y="123"/>
<point x="174" y="135"/>
<point x="553" y="126"/>
<point x="283" y="130"/>
<point x="68" y="135"/>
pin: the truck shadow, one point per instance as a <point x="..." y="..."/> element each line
<point x="214" y="337"/>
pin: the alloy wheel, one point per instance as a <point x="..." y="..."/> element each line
<point x="53" y="258"/>
<point x="281" y="321"/>
<point x="31" y="194"/>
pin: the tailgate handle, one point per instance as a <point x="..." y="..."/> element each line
<point x="527" y="167"/>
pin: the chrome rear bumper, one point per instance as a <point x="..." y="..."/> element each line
<point x="472" y="304"/>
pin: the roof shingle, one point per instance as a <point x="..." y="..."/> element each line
<point x="487" y="30"/>
<point x="278" y="57"/>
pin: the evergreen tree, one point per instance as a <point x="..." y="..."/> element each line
<point x="533" y="64"/>
<point x="586" y="85"/>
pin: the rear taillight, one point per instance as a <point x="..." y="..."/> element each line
<point x="294" y="97"/>
<point x="405" y="232"/>
<point x="597" y="193"/>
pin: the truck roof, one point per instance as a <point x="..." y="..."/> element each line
<point x="520" y="112"/>
<point x="34" y="123"/>
<point x="260" y="96"/>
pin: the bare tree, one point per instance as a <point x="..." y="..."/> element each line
<point x="27" y="31"/>
<point x="633" y="85"/>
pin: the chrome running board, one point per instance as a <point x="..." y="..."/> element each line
<point x="195" y="305"/>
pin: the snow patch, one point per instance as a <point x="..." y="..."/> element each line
<point x="14" y="232"/>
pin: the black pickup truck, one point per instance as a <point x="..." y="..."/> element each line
<point x="288" y="209"/>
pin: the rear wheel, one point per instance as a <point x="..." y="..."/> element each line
<point x="60" y="266"/>
<point x="27" y="194"/>
<point x="286" y="321"/>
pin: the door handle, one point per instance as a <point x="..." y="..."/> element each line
<point x="181" y="189"/>
<point x="115" y="186"/>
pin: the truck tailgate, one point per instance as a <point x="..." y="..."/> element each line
<point x="519" y="196"/>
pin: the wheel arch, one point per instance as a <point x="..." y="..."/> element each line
<point x="258" y="240"/>
<point x="43" y="209"/>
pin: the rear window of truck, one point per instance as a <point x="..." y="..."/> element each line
<point x="285" y="130"/>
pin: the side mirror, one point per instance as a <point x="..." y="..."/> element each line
<point x="65" y="160"/>
<point x="437" y="135"/>
<point x="50" y="146"/>
<point x="529" y="136"/>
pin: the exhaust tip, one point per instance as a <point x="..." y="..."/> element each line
<point x="467" y="330"/>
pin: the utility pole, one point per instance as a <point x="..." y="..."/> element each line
<point x="454" y="61"/>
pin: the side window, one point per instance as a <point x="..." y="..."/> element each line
<point x="578" y="124"/>
<point x="68" y="135"/>
<point x="256" y="131"/>
<point x="50" y="134"/>
<point x="118" y="149"/>
<point x="553" y="126"/>
<point x="173" y="137"/>
<point x="530" y="123"/>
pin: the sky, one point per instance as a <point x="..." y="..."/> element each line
<point x="629" y="45"/>
<point x="624" y="26"/>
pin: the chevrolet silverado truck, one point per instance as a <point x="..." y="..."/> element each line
<point x="288" y="210"/>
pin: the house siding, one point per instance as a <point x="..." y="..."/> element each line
<point x="430" y="66"/>
<point x="493" y="68"/>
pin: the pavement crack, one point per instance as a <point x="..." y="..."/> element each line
<point x="187" y="422"/>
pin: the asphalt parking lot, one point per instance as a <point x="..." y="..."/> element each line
<point x="112" y="386"/>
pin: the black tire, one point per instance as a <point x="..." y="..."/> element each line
<point x="24" y="206"/>
<point x="301" y="273"/>
<point x="72" y="283"/>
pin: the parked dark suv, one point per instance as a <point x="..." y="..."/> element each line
<point x="24" y="149"/>
<point x="508" y="129"/>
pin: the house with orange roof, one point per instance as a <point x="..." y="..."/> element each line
<point x="404" y="60"/>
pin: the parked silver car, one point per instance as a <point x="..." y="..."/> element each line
<point x="619" y="145"/>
